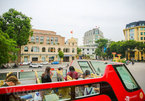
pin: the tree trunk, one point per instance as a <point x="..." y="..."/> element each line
<point x="19" y="55"/>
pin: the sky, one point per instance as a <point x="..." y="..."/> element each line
<point x="62" y="16"/>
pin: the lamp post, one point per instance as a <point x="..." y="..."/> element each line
<point x="114" y="53"/>
<point x="119" y="56"/>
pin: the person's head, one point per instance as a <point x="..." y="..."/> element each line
<point x="60" y="68"/>
<point x="71" y="69"/>
<point x="9" y="75"/>
<point x="47" y="70"/>
<point x="12" y="81"/>
<point x="87" y="73"/>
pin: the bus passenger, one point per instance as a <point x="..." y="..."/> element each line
<point x="47" y="75"/>
<point x="9" y="75"/>
<point x="11" y="81"/>
<point x="60" y="74"/>
<point x="87" y="74"/>
<point x="72" y="73"/>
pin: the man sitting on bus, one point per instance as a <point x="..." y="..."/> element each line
<point x="11" y="81"/>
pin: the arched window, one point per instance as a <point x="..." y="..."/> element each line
<point x="52" y="49"/>
<point x="64" y="50"/>
<point x="35" y="49"/>
<point x="43" y="49"/>
<point x="59" y="49"/>
<point x="67" y="50"/>
<point x="25" y="49"/>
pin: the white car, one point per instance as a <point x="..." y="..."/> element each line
<point x="44" y="63"/>
<point x="26" y="63"/>
<point x="35" y="65"/>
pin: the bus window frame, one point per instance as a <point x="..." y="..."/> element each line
<point x="88" y="65"/>
<point x="129" y="90"/>
<point x="95" y="69"/>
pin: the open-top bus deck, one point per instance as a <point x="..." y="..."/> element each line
<point x="110" y="82"/>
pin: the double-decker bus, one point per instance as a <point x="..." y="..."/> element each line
<point x="111" y="82"/>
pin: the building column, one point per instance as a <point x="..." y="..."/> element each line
<point x="136" y="55"/>
<point x="70" y="58"/>
<point x="139" y="55"/>
<point x="128" y="55"/>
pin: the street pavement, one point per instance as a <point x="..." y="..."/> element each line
<point x="26" y="68"/>
<point x="138" y="71"/>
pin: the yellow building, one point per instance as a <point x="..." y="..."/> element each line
<point x="45" y="45"/>
<point x="135" y="31"/>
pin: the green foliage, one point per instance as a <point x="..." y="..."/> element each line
<point x="78" y="50"/>
<point x="17" y="26"/>
<point x="121" y="46"/>
<point x="60" y="54"/>
<point x="101" y="44"/>
<point x="8" y="48"/>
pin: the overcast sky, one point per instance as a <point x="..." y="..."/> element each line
<point x="62" y="16"/>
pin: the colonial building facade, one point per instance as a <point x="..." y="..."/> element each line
<point x="135" y="31"/>
<point x="45" y="45"/>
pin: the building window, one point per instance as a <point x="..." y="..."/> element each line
<point x="144" y="38"/>
<point x="32" y="39"/>
<point x="43" y="49"/>
<point x="73" y="50"/>
<point x="35" y="49"/>
<point x="141" y="29"/>
<point x="25" y="59"/>
<point x="37" y="39"/>
<point x="41" y="39"/>
<point x="92" y="49"/>
<point x="52" y="41"/>
<point x="59" y="49"/>
<point x="144" y="28"/>
<point x="43" y="59"/>
<point x="34" y="58"/>
<point x="64" y="50"/>
<point x="141" y="38"/>
<point x="141" y="33"/>
<point x="56" y="40"/>
<point x="47" y="40"/>
<point x="51" y="49"/>
<point x="144" y="33"/>
<point x="25" y="49"/>
<point x="67" y="50"/>
<point x="73" y="44"/>
<point x="87" y="49"/>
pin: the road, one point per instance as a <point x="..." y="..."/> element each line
<point x="138" y="71"/>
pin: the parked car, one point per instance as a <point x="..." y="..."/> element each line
<point x="44" y="63"/>
<point x="35" y="65"/>
<point x="55" y="62"/>
<point x="25" y="63"/>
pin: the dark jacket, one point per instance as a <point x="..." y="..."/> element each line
<point x="46" y="78"/>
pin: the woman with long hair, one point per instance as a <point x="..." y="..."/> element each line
<point x="47" y="75"/>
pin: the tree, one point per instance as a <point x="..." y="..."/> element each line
<point x="17" y="26"/>
<point x="61" y="54"/>
<point x="78" y="51"/>
<point x="8" y="48"/>
<point x="101" y="49"/>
